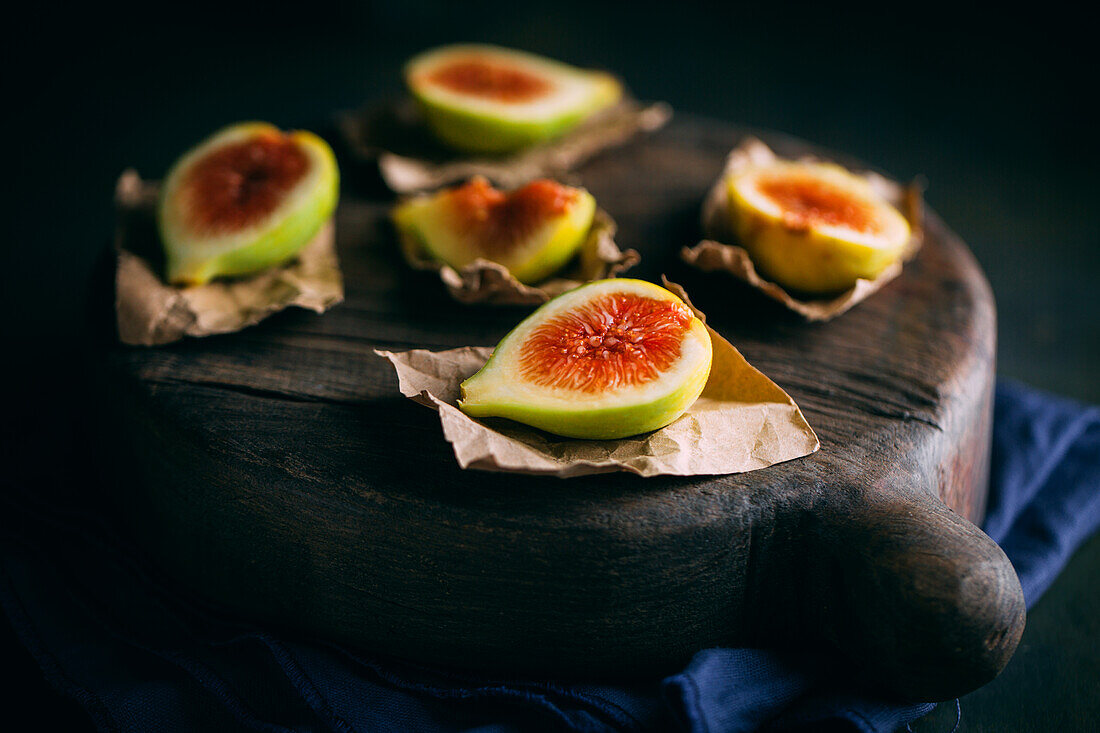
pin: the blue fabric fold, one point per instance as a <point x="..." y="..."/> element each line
<point x="113" y="635"/>
<point x="1045" y="481"/>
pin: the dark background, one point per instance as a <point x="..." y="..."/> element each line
<point x="989" y="107"/>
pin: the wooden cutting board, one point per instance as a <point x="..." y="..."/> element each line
<point x="279" y="472"/>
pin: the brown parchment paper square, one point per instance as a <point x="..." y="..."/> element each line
<point x="741" y="422"/>
<point x="410" y="160"/>
<point x="718" y="254"/>
<point x="483" y="281"/>
<point x="150" y="312"/>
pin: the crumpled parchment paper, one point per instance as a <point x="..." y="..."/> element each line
<point x="410" y="160"/>
<point x="150" y="312"/>
<point x="741" y="422"/>
<point x="717" y="253"/>
<point x="483" y="281"/>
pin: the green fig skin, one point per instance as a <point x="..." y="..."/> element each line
<point x="196" y="257"/>
<point x="496" y="127"/>
<point x="470" y="132"/>
<point x="496" y="390"/>
<point x="591" y="424"/>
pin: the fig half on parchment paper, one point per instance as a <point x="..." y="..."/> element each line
<point x="521" y="247"/>
<point x="241" y="228"/>
<point x="829" y="270"/>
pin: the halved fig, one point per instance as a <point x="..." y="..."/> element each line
<point x="486" y="99"/>
<point x="610" y="359"/>
<point x="532" y="231"/>
<point x="247" y="198"/>
<point x="814" y="227"/>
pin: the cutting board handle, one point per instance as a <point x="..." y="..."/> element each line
<point x="920" y="597"/>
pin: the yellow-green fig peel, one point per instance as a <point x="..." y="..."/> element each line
<point x="611" y="359"/>
<point x="245" y="199"/>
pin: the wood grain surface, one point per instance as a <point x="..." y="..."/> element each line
<point x="279" y="472"/>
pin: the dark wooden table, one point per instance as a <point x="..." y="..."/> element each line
<point x="988" y="108"/>
<point x="278" y="471"/>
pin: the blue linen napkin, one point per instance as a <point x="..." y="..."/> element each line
<point x="121" y="641"/>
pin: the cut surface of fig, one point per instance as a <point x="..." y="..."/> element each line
<point x="611" y="359"/>
<point x="611" y="341"/>
<point x="814" y="227"/>
<point x="533" y="231"/>
<point x="482" y="77"/>
<point x="247" y="198"/>
<point x="479" y="98"/>
<point x="242" y="183"/>
<point x="805" y="201"/>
